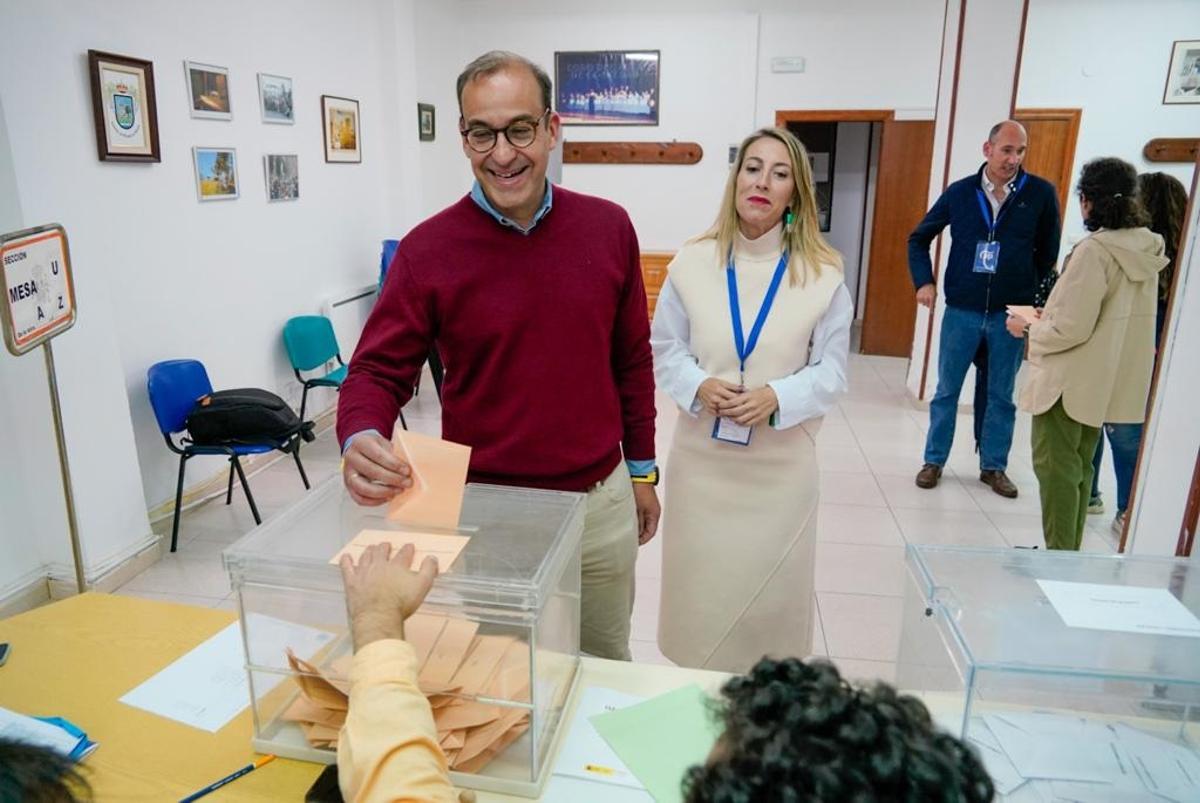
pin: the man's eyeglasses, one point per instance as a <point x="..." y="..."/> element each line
<point x="519" y="133"/>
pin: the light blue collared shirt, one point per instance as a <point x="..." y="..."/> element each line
<point x="483" y="203"/>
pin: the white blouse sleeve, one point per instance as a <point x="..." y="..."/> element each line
<point x="676" y="370"/>
<point x="813" y="390"/>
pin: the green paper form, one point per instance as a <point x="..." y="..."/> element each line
<point x="661" y="738"/>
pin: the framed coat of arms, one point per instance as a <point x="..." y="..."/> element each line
<point x="123" y="108"/>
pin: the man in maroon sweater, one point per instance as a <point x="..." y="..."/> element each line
<point x="533" y="296"/>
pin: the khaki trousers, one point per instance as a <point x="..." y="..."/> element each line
<point x="609" y="553"/>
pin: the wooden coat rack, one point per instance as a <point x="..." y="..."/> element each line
<point x="667" y="153"/>
<point x="1179" y="149"/>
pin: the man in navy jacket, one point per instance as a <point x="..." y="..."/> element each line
<point x="1004" y="230"/>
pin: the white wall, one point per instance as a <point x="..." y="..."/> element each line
<point x="716" y="84"/>
<point x="1110" y="60"/>
<point x="160" y="275"/>
<point x="849" y="193"/>
<point x="28" y="459"/>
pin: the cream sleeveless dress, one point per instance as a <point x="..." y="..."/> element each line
<point x="739" y="527"/>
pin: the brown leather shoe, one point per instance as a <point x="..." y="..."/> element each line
<point x="928" y="476"/>
<point x="999" y="482"/>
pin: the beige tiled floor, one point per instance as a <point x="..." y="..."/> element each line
<point x="870" y="448"/>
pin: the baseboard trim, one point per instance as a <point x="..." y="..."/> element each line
<point x="29" y="592"/>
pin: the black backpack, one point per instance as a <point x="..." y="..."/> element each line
<point x="245" y="415"/>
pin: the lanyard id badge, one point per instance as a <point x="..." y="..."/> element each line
<point x="987" y="252"/>
<point x="729" y="431"/>
<point x="725" y="429"/>
<point x="987" y="256"/>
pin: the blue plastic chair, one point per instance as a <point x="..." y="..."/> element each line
<point x="174" y="387"/>
<point x="311" y="343"/>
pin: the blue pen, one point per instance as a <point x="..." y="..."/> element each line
<point x="212" y="787"/>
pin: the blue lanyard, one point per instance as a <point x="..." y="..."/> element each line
<point x="746" y="347"/>
<point x="986" y="208"/>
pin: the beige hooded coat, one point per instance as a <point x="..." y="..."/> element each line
<point x="1094" y="344"/>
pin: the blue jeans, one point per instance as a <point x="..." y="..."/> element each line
<point x="962" y="332"/>
<point x="1125" y="440"/>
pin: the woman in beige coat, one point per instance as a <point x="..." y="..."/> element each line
<point x="750" y="338"/>
<point x="1091" y="351"/>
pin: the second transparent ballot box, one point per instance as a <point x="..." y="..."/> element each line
<point x="497" y="639"/>
<point x="1006" y="645"/>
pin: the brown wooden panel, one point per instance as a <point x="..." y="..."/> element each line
<point x="905" y="158"/>
<point x="675" y="153"/>
<point x="1177" y="149"/>
<point x="1051" y="155"/>
<point x="782" y="118"/>
<point x="654" y="273"/>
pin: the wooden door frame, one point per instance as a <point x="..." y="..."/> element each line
<point x="1063" y="179"/>
<point x="887" y="118"/>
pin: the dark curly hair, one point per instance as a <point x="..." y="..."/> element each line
<point x="1110" y="185"/>
<point x="34" y="774"/>
<point x="1165" y="201"/>
<point x="797" y="732"/>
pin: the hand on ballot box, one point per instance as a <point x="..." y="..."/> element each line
<point x="455" y="663"/>
<point x="382" y="591"/>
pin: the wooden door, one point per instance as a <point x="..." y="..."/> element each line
<point x="905" y="159"/>
<point x="1051" y="154"/>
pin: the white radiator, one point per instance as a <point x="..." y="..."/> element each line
<point x="348" y="311"/>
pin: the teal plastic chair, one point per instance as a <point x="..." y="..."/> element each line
<point x="311" y="343"/>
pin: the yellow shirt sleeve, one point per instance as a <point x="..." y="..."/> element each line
<point x="388" y="749"/>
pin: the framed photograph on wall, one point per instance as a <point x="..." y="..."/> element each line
<point x="343" y="130"/>
<point x="208" y="91"/>
<point x="216" y="173"/>
<point x="1183" y="74"/>
<point x="425" y="122"/>
<point x="123" y="108"/>
<point x="275" y="99"/>
<point x="283" y="176"/>
<point x="607" y="87"/>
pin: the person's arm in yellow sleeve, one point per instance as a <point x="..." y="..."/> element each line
<point x="388" y="749"/>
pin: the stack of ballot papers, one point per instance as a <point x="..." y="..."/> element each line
<point x="1046" y="757"/>
<point x="53" y="733"/>
<point x="454" y="663"/>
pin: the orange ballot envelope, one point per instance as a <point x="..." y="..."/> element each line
<point x="444" y="548"/>
<point x="439" y="473"/>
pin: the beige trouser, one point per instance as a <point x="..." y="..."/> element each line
<point x="609" y="554"/>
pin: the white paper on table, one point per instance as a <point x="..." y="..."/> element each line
<point x="16" y="727"/>
<point x="1164" y="767"/>
<point x="1076" y="792"/>
<point x="208" y="686"/>
<point x="584" y="747"/>
<point x="995" y="760"/>
<point x="1055" y="747"/>
<point x="1127" y="609"/>
<point x="577" y="790"/>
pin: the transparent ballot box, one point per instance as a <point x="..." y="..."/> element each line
<point x="1010" y="646"/>
<point x="497" y="639"/>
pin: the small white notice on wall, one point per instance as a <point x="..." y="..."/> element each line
<point x="1128" y="609"/>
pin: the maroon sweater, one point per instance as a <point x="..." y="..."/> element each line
<point x="544" y="336"/>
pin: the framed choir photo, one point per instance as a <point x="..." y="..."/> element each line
<point x="208" y="91"/>
<point x="342" y="127"/>
<point x="123" y="108"/>
<point x="275" y="99"/>
<point x="425" y="122"/>
<point x="1183" y="74"/>
<point x="607" y="87"/>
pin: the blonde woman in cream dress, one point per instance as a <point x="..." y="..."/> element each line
<point x="739" y="525"/>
